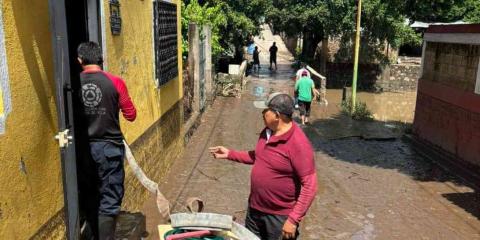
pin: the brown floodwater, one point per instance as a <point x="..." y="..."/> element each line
<point x="385" y="107"/>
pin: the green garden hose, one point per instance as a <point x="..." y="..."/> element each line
<point x="178" y="231"/>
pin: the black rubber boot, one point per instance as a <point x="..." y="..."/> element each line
<point x="106" y="227"/>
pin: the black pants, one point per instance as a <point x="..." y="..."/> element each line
<point x="111" y="175"/>
<point x="304" y="108"/>
<point x="273" y="60"/>
<point x="265" y="226"/>
<point x="101" y="177"/>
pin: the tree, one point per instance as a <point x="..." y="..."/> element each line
<point x="244" y="18"/>
<point x="297" y="17"/>
<point x="232" y="21"/>
<point x="316" y="19"/>
<point x="472" y="11"/>
<point x="443" y="10"/>
<point x="203" y="15"/>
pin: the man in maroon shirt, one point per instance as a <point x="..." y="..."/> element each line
<point x="103" y="96"/>
<point x="283" y="178"/>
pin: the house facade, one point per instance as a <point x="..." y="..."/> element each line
<point x="141" y="41"/>
<point x="447" y="114"/>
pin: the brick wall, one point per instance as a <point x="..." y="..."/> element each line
<point x="454" y="65"/>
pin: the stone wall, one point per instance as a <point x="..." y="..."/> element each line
<point x="374" y="77"/>
<point x="399" y="77"/>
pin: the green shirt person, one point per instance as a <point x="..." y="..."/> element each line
<point x="305" y="88"/>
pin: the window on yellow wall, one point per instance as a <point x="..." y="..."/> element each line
<point x="165" y="41"/>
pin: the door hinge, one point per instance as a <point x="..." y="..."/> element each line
<point x="64" y="140"/>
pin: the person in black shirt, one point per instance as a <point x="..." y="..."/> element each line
<point x="273" y="55"/>
<point x="103" y="97"/>
<point x="256" y="59"/>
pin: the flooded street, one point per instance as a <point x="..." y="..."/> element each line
<point x="372" y="184"/>
<point x="385" y="107"/>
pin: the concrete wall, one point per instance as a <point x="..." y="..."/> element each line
<point x="31" y="198"/>
<point x="447" y="113"/>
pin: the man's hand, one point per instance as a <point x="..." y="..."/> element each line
<point x="219" y="152"/>
<point x="289" y="230"/>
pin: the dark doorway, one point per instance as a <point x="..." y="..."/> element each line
<point x="82" y="26"/>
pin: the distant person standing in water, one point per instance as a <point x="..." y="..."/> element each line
<point x="273" y="55"/>
<point x="256" y="59"/>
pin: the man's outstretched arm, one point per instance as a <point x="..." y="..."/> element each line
<point x="221" y="152"/>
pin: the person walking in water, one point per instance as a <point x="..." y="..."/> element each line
<point x="298" y="75"/>
<point x="305" y="89"/>
<point x="283" y="178"/>
<point x="256" y="59"/>
<point x="273" y="55"/>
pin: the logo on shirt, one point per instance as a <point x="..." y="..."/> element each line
<point x="91" y="94"/>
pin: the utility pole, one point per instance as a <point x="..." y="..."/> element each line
<point x="357" y="51"/>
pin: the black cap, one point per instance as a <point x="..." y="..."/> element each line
<point x="280" y="102"/>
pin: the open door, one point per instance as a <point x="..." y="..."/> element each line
<point x="72" y="22"/>
<point x="65" y="116"/>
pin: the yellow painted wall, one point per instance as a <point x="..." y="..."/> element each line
<point x="130" y="55"/>
<point x="30" y="199"/>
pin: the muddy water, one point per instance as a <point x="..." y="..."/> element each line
<point x="385" y="107"/>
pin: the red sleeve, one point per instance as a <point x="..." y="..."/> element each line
<point x="307" y="195"/>
<point x="126" y="105"/>
<point x="242" y="156"/>
<point x="301" y="156"/>
<point x="303" y="163"/>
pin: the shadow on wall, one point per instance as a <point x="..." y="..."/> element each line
<point x="468" y="201"/>
<point x="33" y="29"/>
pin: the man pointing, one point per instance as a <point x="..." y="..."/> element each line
<point x="283" y="178"/>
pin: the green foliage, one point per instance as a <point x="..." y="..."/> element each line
<point x="232" y="21"/>
<point x="243" y="20"/>
<point x="438" y="10"/>
<point x="382" y="21"/>
<point x="361" y="112"/>
<point x="203" y="15"/>
<point x="473" y="11"/>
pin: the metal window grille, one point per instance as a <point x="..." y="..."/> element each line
<point x="166" y="41"/>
